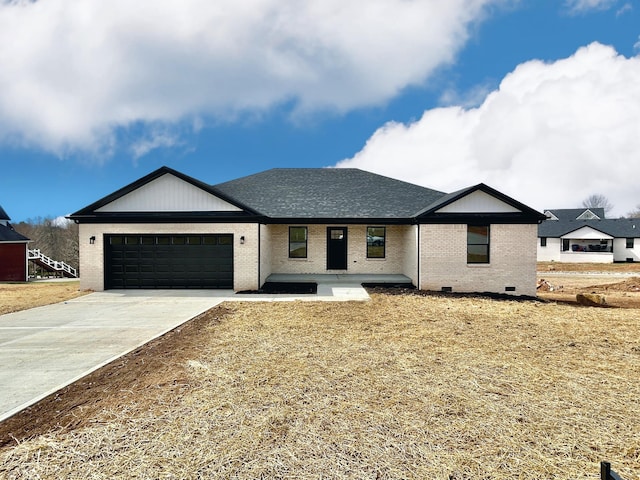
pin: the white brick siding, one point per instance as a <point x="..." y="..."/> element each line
<point x="443" y="251"/>
<point x="398" y="239"/>
<point x="245" y="257"/>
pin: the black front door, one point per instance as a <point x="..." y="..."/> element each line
<point x="336" y="248"/>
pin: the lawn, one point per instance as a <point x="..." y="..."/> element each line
<point x="403" y="386"/>
<point x="21" y="296"/>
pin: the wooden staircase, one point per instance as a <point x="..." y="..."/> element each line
<point x="51" y="265"/>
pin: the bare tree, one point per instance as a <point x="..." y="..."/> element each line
<point x="635" y="213"/>
<point x="597" y="200"/>
<point x="55" y="238"/>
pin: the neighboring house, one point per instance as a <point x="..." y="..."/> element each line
<point x="13" y="252"/>
<point x="584" y="235"/>
<point x="168" y="230"/>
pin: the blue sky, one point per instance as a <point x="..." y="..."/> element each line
<point x="539" y="99"/>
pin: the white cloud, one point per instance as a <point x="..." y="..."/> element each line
<point x="552" y="134"/>
<point x="152" y="140"/>
<point x="74" y="72"/>
<point x="627" y="7"/>
<point x="581" y="6"/>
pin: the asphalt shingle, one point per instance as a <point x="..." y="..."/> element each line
<point x="8" y="234"/>
<point x="328" y="193"/>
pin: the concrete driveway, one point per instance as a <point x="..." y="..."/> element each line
<point x="47" y="348"/>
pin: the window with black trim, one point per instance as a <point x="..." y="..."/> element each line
<point x="477" y="243"/>
<point x="376" y="242"/>
<point x="297" y="242"/>
<point x="629" y="242"/>
<point x="543" y="241"/>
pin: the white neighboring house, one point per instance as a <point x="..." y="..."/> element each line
<point x="169" y="230"/>
<point x="585" y="235"/>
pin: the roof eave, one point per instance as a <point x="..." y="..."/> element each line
<point x="339" y="220"/>
<point x="494" y="218"/>
<point x="168" y="217"/>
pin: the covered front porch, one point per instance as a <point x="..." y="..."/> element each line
<point x="587" y="245"/>
<point x="340" y="278"/>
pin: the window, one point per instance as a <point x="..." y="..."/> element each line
<point x="629" y="242"/>
<point x="297" y="242"/>
<point x="565" y="245"/>
<point x="543" y="241"/>
<point x="376" y="240"/>
<point x="478" y="244"/>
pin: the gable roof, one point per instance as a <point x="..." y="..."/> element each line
<point x="325" y="193"/>
<point x="511" y="210"/>
<point x="94" y="210"/>
<point x="9" y="235"/>
<point x="614" y="227"/>
<point x="301" y="195"/>
<point x="576" y="213"/>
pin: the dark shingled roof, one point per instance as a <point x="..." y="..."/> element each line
<point x="8" y="234"/>
<point x="3" y="214"/>
<point x="328" y="193"/>
<point x="574" y="213"/>
<point x="618" y="228"/>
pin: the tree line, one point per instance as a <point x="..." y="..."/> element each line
<point x="56" y="238"/>
<point x="598" y="200"/>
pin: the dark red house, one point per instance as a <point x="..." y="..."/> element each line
<point x="13" y="252"/>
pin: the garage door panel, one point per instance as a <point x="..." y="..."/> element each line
<point x="169" y="261"/>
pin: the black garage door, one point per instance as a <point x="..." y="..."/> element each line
<point x="169" y="261"/>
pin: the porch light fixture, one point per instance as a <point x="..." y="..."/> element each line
<point x="92" y="239"/>
<point x="242" y="240"/>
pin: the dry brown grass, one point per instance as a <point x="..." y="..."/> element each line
<point x="21" y="296"/>
<point x="400" y="387"/>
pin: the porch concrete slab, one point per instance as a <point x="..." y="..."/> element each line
<point x="44" y="349"/>
<point x="339" y="292"/>
<point x="330" y="278"/>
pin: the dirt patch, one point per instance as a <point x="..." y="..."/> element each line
<point x="628" y="267"/>
<point x="22" y="296"/>
<point x="631" y="285"/>
<point x="403" y="386"/>
<point x="619" y="292"/>
<point x="154" y="366"/>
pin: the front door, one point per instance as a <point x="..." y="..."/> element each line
<point x="336" y="248"/>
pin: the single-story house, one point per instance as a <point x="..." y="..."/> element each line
<point x="13" y="252"/>
<point x="585" y="235"/>
<point x="169" y="230"/>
